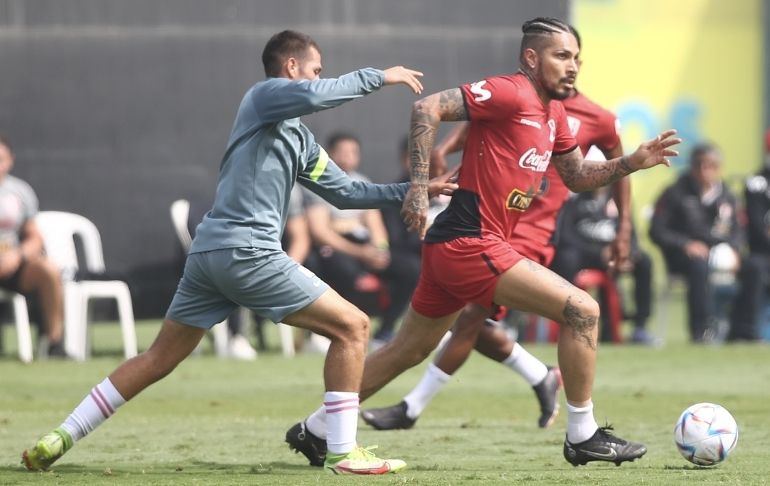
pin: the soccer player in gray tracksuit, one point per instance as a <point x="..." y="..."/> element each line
<point x="236" y="257"/>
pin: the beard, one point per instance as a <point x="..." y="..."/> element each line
<point x="554" y="92"/>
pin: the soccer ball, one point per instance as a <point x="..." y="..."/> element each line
<point x="705" y="434"/>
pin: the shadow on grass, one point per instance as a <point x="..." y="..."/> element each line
<point x="693" y="467"/>
<point x="156" y="469"/>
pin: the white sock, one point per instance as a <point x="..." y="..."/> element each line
<point x="341" y="421"/>
<point x="523" y="363"/>
<point x="581" y="424"/>
<point x="316" y="422"/>
<point x="95" y="408"/>
<point x="431" y="383"/>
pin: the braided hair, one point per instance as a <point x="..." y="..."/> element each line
<point x="539" y="30"/>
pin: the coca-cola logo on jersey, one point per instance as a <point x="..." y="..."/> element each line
<point x="533" y="161"/>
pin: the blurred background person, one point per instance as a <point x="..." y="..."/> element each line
<point x="588" y="225"/>
<point x="405" y="251"/>
<point x="352" y="247"/>
<point x="747" y="318"/>
<point x="696" y="227"/>
<point x="23" y="266"/>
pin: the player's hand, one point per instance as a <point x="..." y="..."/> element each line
<point x="620" y="252"/>
<point x="9" y="262"/>
<point x="402" y="75"/>
<point x="696" y="249"/>
<point x="655" y="152"/>
<point x="375" y="258"/>
<point x="415" y="210"/>
<point x="445" y="184"/>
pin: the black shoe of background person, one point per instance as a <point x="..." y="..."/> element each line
<point x="602" y="446"/>
<point x="57" y="351"/>
<point x="388" y="418"/>
<point x="302" y="440"/>
<point x="547" y="393"/>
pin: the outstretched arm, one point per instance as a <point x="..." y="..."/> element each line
<point x="427" y="113"/>
<point x="584" y="175"/>
<point x="325" y="178"/>
<point x="282" y="99"/>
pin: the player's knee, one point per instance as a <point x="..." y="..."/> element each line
<point x="353" y="327"/>
<point x="581" y="310"/>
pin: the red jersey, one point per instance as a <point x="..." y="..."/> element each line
<point x="590" y="124"/>
<point x="511" y="139"/>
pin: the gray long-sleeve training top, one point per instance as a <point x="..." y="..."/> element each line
<point x="270" y="149"/>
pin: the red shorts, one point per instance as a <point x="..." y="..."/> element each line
<point x="460" y="271"/>
<point x="534" y="250"/>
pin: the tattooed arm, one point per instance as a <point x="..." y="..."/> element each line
<point x="427" y="113"/>
<point x="584" y="175"/>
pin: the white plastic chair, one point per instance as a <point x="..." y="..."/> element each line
<point x="59" y="230"/>
<point x="21" y="316"/>
<point x="180" y="217"/>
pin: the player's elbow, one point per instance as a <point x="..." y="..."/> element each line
<point x="426" y="110"/>
<point x="419" y="106"/>
<point x="345" y="204"/>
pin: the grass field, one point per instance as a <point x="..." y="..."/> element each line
<point x="223" y="422"/>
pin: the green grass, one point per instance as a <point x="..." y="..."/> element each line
<point x="223" y="422"/>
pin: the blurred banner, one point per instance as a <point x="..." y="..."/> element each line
<point x="694" y="65"/>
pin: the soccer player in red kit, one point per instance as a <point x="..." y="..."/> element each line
<point x="517" y="128"/>
<point x="591" y="125"/>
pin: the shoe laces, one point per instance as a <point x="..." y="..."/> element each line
<point x="364" y="453"/>
<point x="606" y="432"/>
<point x="368" y="452"/>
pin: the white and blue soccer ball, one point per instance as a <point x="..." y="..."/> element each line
<point x="705" y="434"/>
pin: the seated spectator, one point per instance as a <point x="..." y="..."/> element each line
<point x="23" y="266"/>
<point x="756" y="273"/>
<point x="694" y="219"/>
<point x="405" y="251"/>
<point x="352" y="246"/>
<point x="588" y="224"/>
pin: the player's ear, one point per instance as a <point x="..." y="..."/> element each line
<point x="292" y="67"/>
<point x="530" y="58"/>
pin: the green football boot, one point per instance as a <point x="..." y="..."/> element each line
<point x="48" y="449"/>
<point x="361" y="461"/>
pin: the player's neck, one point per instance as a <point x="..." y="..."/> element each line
<point x="541" y="92"/>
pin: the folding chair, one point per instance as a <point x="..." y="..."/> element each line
<point x="21" y="317"/>
<point x="59" y="230"/>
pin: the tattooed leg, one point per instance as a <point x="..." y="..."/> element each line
<point x="583" y="326"/>
<point x="577" y="347"/>
<point x="533" y="288"/>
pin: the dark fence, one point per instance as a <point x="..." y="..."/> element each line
<point x="117" y="108"/>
